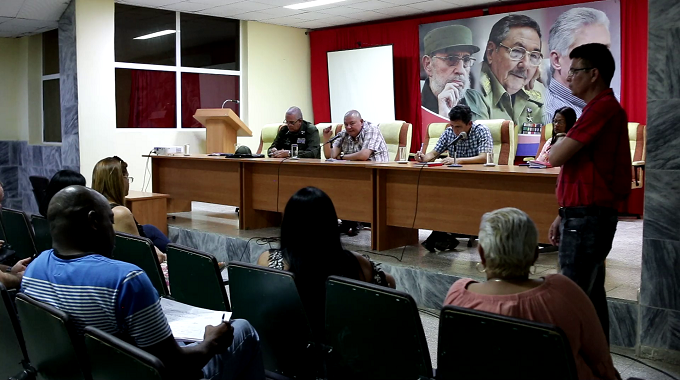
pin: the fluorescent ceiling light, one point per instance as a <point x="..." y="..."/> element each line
<point x="153" y="35"/>
<point x="309" y="4"/>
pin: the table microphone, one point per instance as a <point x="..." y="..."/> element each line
<point x="461" y="136"/>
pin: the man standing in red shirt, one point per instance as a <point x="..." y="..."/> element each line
<point x="594" y="182"/>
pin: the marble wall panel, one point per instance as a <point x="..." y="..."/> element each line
<point x="68" y="84"/>
<point x="623" y="322"/>
<point x="4" y="152"/>
<point x="35" y="155"/>
<point x="660" y="328"/>
<point x="657" y="77"/>
<point x="662" y="202"/>
<point x="51" y="156"/>
<point x="9" y="176"/>
<point x="70" y="151"/>
<point x="660" y="283"/>
<point x="428" y="289"/>
<point x="663" y="135"/>
<point x="16" y="152"/>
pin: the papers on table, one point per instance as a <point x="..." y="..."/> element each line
<point x="188" y="322"/>
<point x="539" y="164"/>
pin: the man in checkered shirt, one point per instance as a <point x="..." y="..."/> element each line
<point x="472" y="150"/>
<point x="360" y="141"/>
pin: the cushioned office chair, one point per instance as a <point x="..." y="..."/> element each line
<point x="637" y="135"/>
<point x="478" y="345"/>
<point x="41" y="230"/>
<point x="339" y="128"/>
<point x="39" y="185"/>
<point x="52" y="343"/>
<point x="373" y="332"/>
<point x="141" y="252"/>
<point x="195" y="278"/>
<point x="19" y="232"/>
<point x="267" y="137"/>
<point x="268" y="299"/>
<point x="504" y="140"/>
<point x="396" y="134"/>
<point x="113" y="358"/>
<point x="13" y="360"/>
<point x="434" y="132"/>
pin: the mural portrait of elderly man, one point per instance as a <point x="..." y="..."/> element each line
<point x="510" y="71"/>
<point x="573" y="28"/>
<point x="447" y="61"/>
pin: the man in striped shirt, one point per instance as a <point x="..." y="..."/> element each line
<point x="80" y="278"/>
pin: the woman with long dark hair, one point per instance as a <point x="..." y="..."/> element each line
<point x="311" y="249"/>
<point x="60" y="180"/>
<point x="564" y="119"/>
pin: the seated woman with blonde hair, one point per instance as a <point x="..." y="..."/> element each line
<point x="110" y="178"/>
<point x="508" y="247"/>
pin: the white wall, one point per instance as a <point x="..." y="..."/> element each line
<point x="277" y="75"/>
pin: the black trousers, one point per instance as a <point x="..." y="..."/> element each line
<point x="586" y="240"/>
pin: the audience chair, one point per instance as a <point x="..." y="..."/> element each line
<point x="267" y="137"/>
<point x="504" y="140"/>
<point x="195" y="278"/>
<point x="19" y="233"/>
<point x="13" y="360"/>
<point x="41" y="229"/>
<point x="479" y="345"/>
<point x="52" y="342"/>
<point x="39" y="185"/>
<point x="637" y="135"/>
<point x="112" y="358"/>
<point x="339" y="128"/>
<point x="140" y="251"/>
<point x="373" y="332"/>
<point x="397" y="134"/>
<point x="268" y="299"/>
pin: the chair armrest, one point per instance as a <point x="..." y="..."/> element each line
<point x="527" y="159"/>
<point x="638" y="163"/>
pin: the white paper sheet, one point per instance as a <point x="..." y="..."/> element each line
<point x="188" y="322"/>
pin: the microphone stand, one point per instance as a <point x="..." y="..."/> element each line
<point x="455" y="164"/>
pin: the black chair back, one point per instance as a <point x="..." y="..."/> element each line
<point x="52" y="343"/>
<point x="13" y="358"/>
<point x="269" y="300"/>
<point x="112" y="358"/>
<point x="41" y="231"/>
<point x="195" y="278"/>
<point x="39" y="185"/>
<point x="141" y="252"/>
<point x="19" y="232"/>
<point x="373" y="332"/>
<point x="478" y="345"/>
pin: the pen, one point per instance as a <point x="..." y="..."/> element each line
<point x="422" y="145"/>
<point x="223" y="314"/>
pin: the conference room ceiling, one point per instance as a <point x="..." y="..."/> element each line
<point x="20" y="18"/>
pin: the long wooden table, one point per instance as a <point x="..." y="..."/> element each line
<point x="397" y="199"/>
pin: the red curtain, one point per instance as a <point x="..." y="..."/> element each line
<point x="152" y="99"/>
<point x="403" y="36"/>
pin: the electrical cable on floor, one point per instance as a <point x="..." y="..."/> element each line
<point x="645" y="364"/>
<point x="261" y="240"/>
<point x="428" y="312"/>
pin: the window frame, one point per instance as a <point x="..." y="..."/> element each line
<point x="178" y="69"/>
<point x="44" y="78"/>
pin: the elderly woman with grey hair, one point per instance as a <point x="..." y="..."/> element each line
<point x="508" y="242"/>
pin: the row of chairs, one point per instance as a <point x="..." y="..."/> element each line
<point x="48" y="347"/>
<point x="27" y="237"/>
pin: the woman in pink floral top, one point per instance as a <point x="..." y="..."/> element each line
<point x="563" y="120"/>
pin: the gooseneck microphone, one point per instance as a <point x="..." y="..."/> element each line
<point x="461" y="136"/>
<point x="230" y="100"/>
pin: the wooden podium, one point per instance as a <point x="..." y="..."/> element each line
<point x="222" y="125"/>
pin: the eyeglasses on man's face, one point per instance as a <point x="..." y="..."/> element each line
<point x="574" y="71"/>
<point x="518" y="53"/>
<point x="286" y="122"/>
<point x="454" y="60"/>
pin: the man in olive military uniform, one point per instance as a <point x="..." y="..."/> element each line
<point x="447" y="61"/>
<point x="511" y="69"/>
<point x="296" y="131"/>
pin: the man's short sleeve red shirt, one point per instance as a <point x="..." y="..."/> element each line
<point x="599" y="174"/>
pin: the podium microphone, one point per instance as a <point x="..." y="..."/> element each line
<point x="230" y="100"/>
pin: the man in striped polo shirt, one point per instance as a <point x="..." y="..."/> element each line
<point x="80" y="278"/>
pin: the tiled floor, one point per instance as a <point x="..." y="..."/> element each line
<point x="623" y="263"/>
<point x="626" y="367"/>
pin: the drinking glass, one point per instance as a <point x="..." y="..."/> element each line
<point x="294" y="151"/>
<point x="402" y="156"/>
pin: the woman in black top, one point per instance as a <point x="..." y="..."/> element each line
<point x="311" y="249"/>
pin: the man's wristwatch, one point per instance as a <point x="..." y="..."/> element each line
<point x="342" y="155"/>
<point x="8" y="270"/>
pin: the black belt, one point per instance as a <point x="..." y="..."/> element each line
<point x="583" y="211"/>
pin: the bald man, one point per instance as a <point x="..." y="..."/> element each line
<point x="360" y="141"/>
<point x="128" y="305"/>
<point x="11" y="276"/>
<point x="296" y="131"/>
